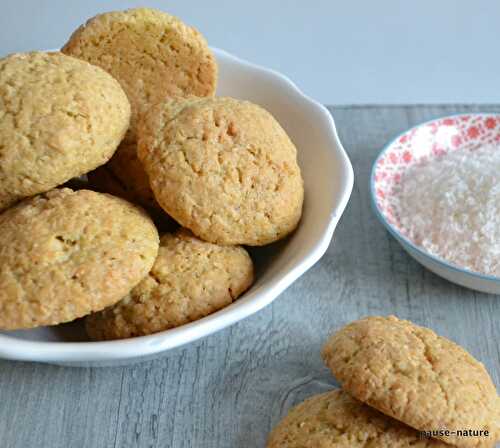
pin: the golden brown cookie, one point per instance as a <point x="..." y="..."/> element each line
<point x="223" y="168"/>
<point x="60" y="117"/>
<point x="411" y="374"/>
<point x="124" y="174"/>
<point x="66" y="253"/>
<point x="336" y="420"/>
<point x="152" y="54"/>
<point x="125" y="177"/>
<point x="190" y="279"/>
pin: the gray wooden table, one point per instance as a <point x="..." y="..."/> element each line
<point x="229" y="389"/>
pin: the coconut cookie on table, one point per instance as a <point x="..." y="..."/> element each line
<point x="190" y="279"/>
<point x="60" y="118"/>
<point x="223" y="168"/>
<point x="64" y="254"/>
<point x="413" y="375"/>
<point x="336" y="420"/>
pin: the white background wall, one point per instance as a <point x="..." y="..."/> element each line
<point x="340" y="52"/>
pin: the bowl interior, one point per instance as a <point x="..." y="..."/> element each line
<point x="426" y="142"/>
<point x="328" y="182"/>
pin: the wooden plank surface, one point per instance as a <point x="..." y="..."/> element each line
<point x="229" y="389"/>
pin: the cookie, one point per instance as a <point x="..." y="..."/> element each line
<point x="60" y="117"/>
<point x="64" y="254"/>
<point x="223" y="168"/>
<point x="190" y="279"/>
<point x="103" y="180"/>
<point x="336" y="420"/>
<point x="124" y="174"/>
<point x="152" y="54"/>
<point x="125" y="177"/>
<point x="411" y="374"/>
<point x="126" y="169"/>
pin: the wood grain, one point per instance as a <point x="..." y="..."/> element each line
<point x="229" y="389"/>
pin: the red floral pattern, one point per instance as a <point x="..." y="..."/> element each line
<point x="428" y="141"/>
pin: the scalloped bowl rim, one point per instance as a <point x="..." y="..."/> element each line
<point x="402" y="239"/>
<point x="144" y="346"/>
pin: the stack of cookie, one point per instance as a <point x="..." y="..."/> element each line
<point x="129" y="103"/>
<point x="403" y="386"/>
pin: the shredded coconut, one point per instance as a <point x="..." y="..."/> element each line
<point x="450" y="207"/>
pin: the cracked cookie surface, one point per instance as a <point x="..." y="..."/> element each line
<point x="336" y="420"/>
<point x="223" y="168"/>
<point x="410" y="373"/>
<point x="190" y="279"/>
<point x="103" y="180"/>
<point x="125" y="177"/>
<point x="60" y="117"/>
<point x="66" y="253"/>
<point x="152" y="54"/>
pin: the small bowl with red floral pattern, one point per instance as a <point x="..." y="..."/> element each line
<point x="425" y="142"/>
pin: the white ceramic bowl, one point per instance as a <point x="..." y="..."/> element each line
<point x="328" y="178"/>
<point x="429" y="140"/>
